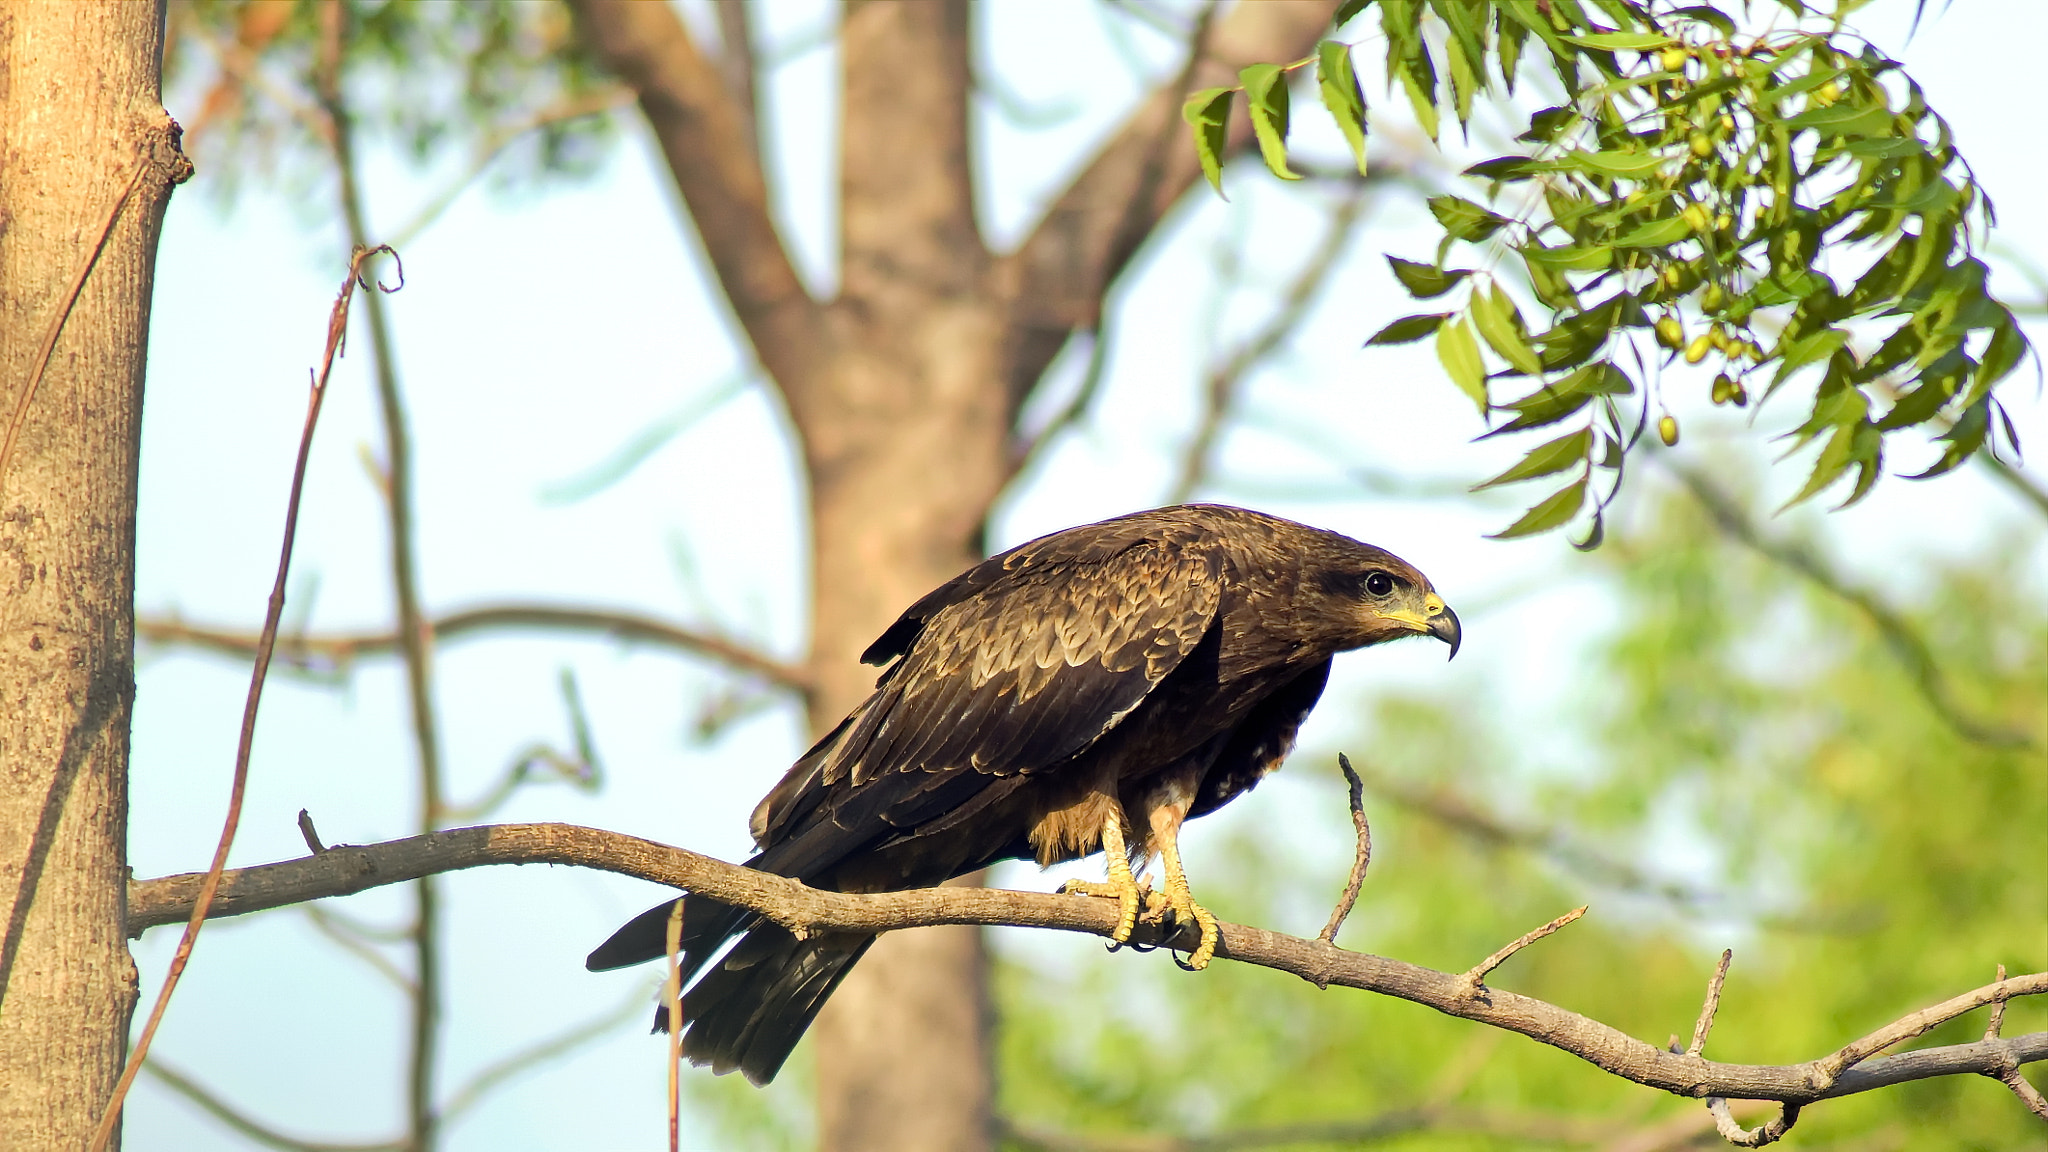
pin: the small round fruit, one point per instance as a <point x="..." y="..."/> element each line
<point x="1739" y="394"/>
<point x="1713" y="297"/>
<point x="1667" y="431"/>
<point x="1697" y="350"/>
<point x="1672" y="59"/>
<point x="1670" y="333"/>
<point x="1702" y="144"/>
<point x="1724" y="388"/>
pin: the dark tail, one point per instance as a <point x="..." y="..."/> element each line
<point x="750" y="1009"/>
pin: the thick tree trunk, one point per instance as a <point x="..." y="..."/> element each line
<point x="87" y="159"/>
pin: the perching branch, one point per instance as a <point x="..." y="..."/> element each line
<point x="803" y="910"/>
<point x="1906" y="644"/>
<point x="335" y="651"/>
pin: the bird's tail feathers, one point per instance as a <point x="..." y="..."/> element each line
<point x="750" y="1009"/>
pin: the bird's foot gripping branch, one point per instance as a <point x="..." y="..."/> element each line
<point x="1856" y="1067"/>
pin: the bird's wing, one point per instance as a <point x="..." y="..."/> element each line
<point x="1020" y="673"/>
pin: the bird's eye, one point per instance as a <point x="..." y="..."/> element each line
<point x="1379" y="583"/>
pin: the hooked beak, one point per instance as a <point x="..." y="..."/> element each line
<point x="1444" y="625"/>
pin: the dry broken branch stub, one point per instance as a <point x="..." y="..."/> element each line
<point x="343" y="870"/>
<point x="1359" y="860"/>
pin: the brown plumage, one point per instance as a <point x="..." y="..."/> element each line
<point x="1114" y="678"/>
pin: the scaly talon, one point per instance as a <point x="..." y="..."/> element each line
<point x="1121" y="884"/>
<point x="1166" y="821"/>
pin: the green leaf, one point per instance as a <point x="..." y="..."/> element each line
<point x="1464" y="219"/>
<point x="1621" y="41"/>
<point x="1459" y="353"/>
<point x="1409" y="329"/>
<point x="1426" y="281"/>
<point x="2003" y="354"/>
<point x="1630" y="165"/>
<point x="1656" y="234"/>
<point x="1808" y="350"/>
<point x="1557" y="510"/>
<point x="1846" y="119"/>
<point x="1962" y="440"/>
<point x="1545" y="124"/>
<point x="1347" y="10"/>
<point x="1546" y="460"/>
<point x="1833" y="461"/>
<point x="1506" y="168"/>
<point x="1341" y="95"/>
<point x="1265" y="98"/>
<point x="1501" y="324"/>
<point x="1208" y="113"/>
<point x="1576" y="258"/>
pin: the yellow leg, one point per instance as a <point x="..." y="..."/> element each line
<point x="1121" y="884"/>
<point x="1166" y="821"/>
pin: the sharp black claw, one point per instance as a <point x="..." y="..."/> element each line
<point x="1182" y="964"/>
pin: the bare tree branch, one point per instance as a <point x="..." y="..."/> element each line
<point x="248" y="1126"/>
<point x="1360" y="858"/>
<point x="335" y="651"/>
<point x="1904" y="642"/>
<point x="736" y="64"/>
<point x="1227" y="377"/>
<point x="803" y="910"/>
<point x="704" y="139"/>
<point x="1096" y="225"/>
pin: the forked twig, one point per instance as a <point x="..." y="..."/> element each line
<point x="1359" y="860"/>
<point x="1474" y="978"/>
<point x="337" y="325"/>
<point x="2010" y="1074"/>
<point x="1734" y="1133"/>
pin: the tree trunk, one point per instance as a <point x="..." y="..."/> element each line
<point x="87" y="160"/>
<point x="905" y="435"/>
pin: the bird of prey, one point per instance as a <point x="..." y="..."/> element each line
<point x="1088" y="691"/>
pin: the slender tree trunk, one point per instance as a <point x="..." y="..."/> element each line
<point x="905" y="437"/>
<point x="87" y="160"/>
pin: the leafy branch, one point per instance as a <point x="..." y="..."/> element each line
<point x="1779" y="206"/>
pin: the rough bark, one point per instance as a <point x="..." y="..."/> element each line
<point x="903" y="392"/>
<point x="87" y="160"/>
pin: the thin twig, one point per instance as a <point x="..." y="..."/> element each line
<point x="1227" y="377"/>
<point x="337" y="325"/>
<point x="311" y="834"/>
<point x="234" y="1118"/>
<point x="1359" y="860"/>
<point x="1733" y="1132"/>
<point x="1905" y="643"/>
<point x="326" y="653"/>
<point x="341" y="932"/>
<point x="1705" y="1023"/>
<point x="2028" y="488"/>
<point x="1474" y="978"/>
<point x="672" y="1006"/>
<point x="526" y="1059"/>
<point x="346" y="869"/>
<point x="63" y="312"/>
<point x="1997" y="1020"/>
<point x="422" y="1121"/>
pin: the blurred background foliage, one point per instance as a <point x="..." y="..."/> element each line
<point x="1757" y="770"/>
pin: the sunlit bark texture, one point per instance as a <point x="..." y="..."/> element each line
<point x="87" y="160"/>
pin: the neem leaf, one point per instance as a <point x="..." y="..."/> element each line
<point x="1627" y="165"/>
<point x="1500" y="323"/>
<point x="1559" y="508"/>
<point x="1620" y="41"/>
<point x="1409" y="329"/>
<point x="1556" y="456"/>
<point x="1459" y="353"/>
<point x="1341" y="95"/>
<point x="1464" y="219"/>
<point x="1208" y="113"/>
<point x="1426" y="281"/>
<point x="1265" y="98"/>
<point x="1350" y="8"/>
<point x="1656" y="234"/>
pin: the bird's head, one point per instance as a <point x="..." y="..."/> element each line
<point x="1369" y="596"/>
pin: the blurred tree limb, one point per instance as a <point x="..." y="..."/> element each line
<point x="1849" y="1070"/>
<point x="1901" y="638"/>
<point x="333" y="651"/>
